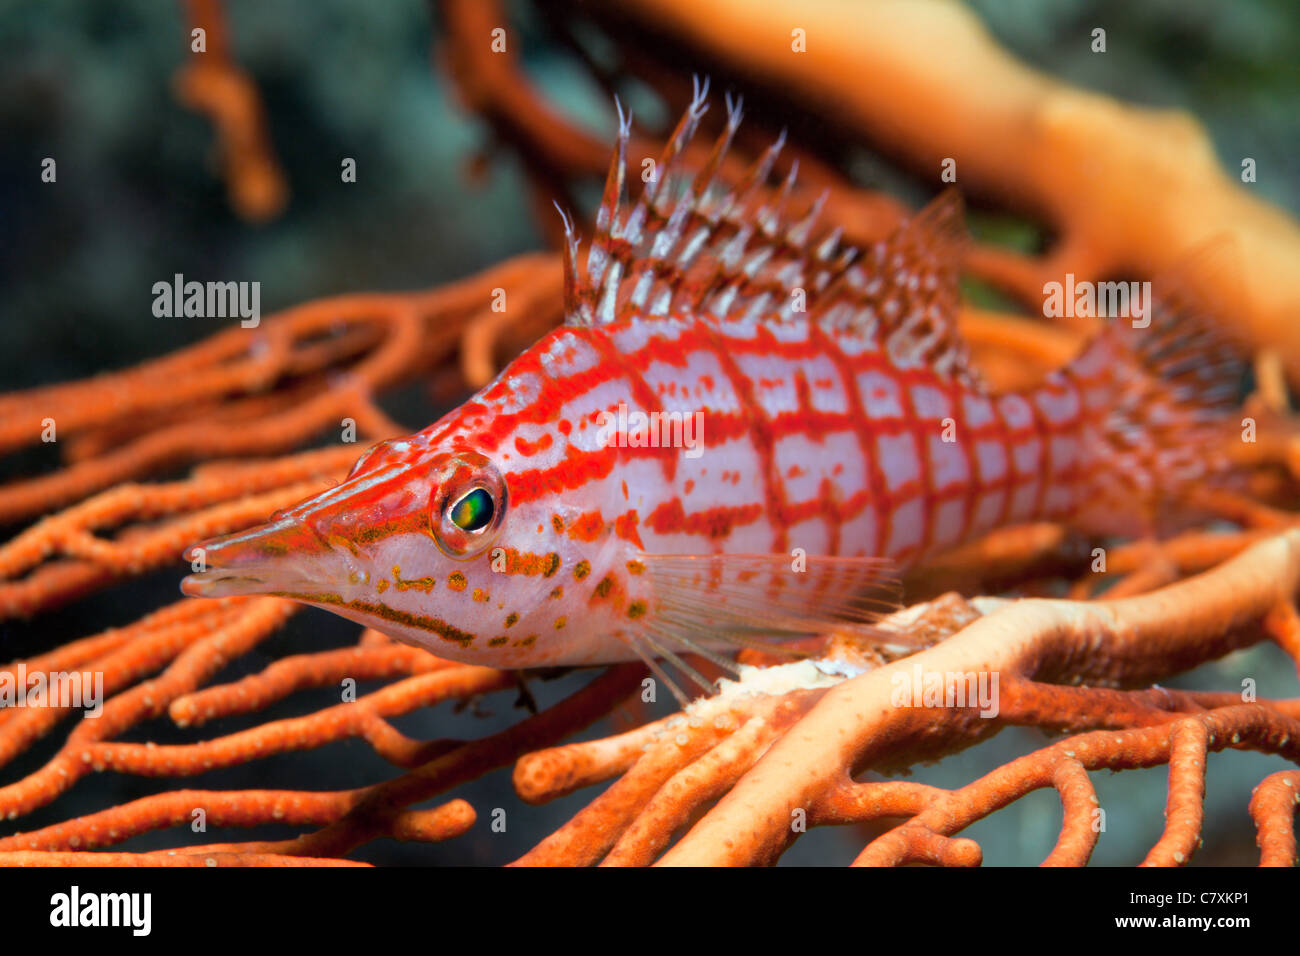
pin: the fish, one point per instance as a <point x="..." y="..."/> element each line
<point x="742" y="432"/>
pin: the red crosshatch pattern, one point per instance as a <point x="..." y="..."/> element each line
<point x="945" y="492"/>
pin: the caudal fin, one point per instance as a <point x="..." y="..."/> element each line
<point x="1161" y="388"/>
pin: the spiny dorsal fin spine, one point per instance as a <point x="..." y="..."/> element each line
<point x="612" y="199"/>
<point x="572" y="287"/>
<point x="681" y="248"/>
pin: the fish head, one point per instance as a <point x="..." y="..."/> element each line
<point x="447" y="540"/>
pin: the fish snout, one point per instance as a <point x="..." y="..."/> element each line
<point x="260" y="560"/>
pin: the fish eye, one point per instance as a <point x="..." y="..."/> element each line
<point x="468" y="505"/>
<point x="473" y="512"/>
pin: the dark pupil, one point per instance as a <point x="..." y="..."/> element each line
<point x="473" y="512"/>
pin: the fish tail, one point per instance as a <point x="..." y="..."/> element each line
<point x="1160" y="392"/>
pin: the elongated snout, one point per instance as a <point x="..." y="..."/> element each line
<point x="261" y="560"/>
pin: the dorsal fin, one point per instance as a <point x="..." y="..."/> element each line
<point x="685" y="247"/>
<point x="904" y="290"/>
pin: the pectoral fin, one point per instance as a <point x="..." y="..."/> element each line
<point x="705" y="604"/>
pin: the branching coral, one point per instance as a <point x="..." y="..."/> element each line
<point x="739" y="776"/>
<point x="212" y="83"/>
<point x="194" y="640"/>
<point x="820" y="740"/>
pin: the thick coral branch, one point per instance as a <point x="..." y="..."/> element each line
<point x="782" y="763"/>
<point x="1133" y="639"/>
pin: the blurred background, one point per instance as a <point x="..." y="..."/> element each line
<point x="139" y="197"/>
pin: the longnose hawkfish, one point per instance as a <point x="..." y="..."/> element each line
<point x="823" y="428"/>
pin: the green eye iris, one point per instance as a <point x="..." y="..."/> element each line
<point x="474" y="511"/>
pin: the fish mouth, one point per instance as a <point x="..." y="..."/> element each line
<point x="257" y="561"/>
